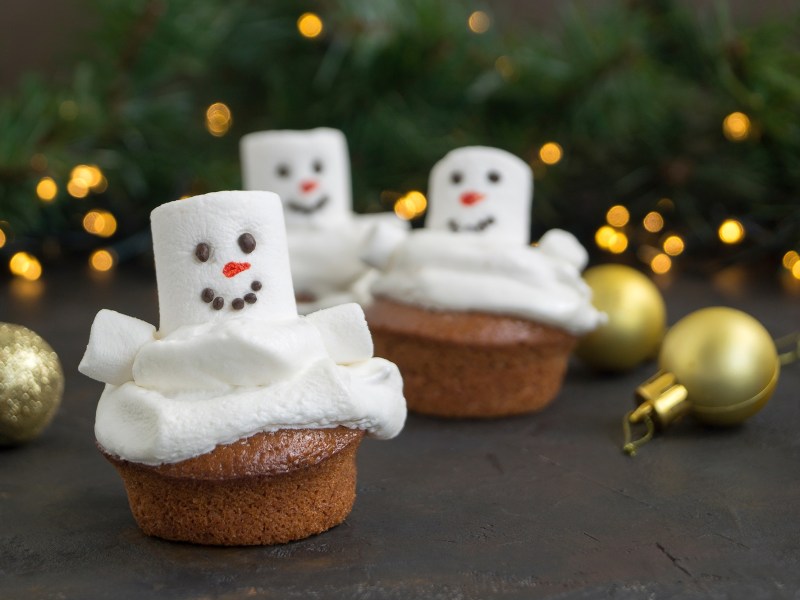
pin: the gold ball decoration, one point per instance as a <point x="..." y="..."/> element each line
<point x="727" y="362"/>
<point x="636" y="323"/>
<point x="31" y="384"/>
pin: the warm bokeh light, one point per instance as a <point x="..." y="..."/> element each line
<point x="77" y="188"/>
<point x="665" y="204"/>
<point x="411" y="205"/>
<point x="602" y="236"/>
<point x="618" y="243"/>
<point x="618" y="216"/>
<point x="100" y="222"/>
<point x="796" y="270"/>
<point x="504" y="66"/>
<point x="790" y="259"/>
<point x="551" y="153"/>
<point x="309" y="25"/>
<point x="102" y="260"/>
<point x="26" y="266"/>
<point x="46" y="189"/>
<point x="661" y="264"/>
<point x="479" y="22"/>
<point x="653" y="222"/>
<point x="91" y="175"/>
<point x="218" y="119"/>
<point x="673" y="245"/>
<point x="736" y="127"/>
<point x="2" y="238"/>
<point x="68" y="110"/>
<point x="731" y="231"/>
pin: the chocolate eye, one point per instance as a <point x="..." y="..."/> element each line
<point x="247" y="243"/>
<point x="283" y="170"/>
<point x="202" y="252"/>
<point x="317" y="166"/>
<point x="493" y="176"/>
<point x="456" y="177"/>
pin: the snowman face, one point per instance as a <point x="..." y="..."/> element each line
<point x="219" y="256"/>
<point x="309" y="170"/>
<point x="481" y="190"/>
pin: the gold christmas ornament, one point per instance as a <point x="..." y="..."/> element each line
<point x="637" y="319"/>
<point x="31" y="384"/>
<point x="718" y="364"/>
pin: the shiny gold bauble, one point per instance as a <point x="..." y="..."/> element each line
<point x="727" y="362"/>
<point x="31" y="384"/>
<point x="636" y="323"/>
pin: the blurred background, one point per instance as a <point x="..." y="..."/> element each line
<point x="664" y="134"/>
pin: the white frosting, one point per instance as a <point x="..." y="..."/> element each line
<point x="207" y="385"/>
<point x="442" y="270"/>
<point x="213" y="375"/>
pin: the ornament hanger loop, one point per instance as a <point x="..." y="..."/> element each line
<point x="630" y="447"/>
<point x="788" y="348"/>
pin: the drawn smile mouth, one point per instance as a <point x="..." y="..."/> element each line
<point x="479" y="226"/>
<point x="295" y="206"/>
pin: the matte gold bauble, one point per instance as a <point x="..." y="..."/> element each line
<point x="718" y="364"/>
<point x="31" y="384"/>
<point x="636" y="323"/>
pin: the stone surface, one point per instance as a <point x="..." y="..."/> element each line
<point x="528" y="507"/>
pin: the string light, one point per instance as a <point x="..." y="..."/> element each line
<point x="26" y="266"/>
<point x="218" y="119"/>
<point x="608" y="238"/>
<point x="618" y="216"/>
<point x="790" y="259"/>
<point x="85" y="178"/>
<point x="479" y="22"/>
<point x="505" y="67"/>
<point x="653" y="222"/>
<point x="102" y="260"/>
<point x="100" y="222"/>
<point x="551" y="153"/>
<point x="2" y="238"/>
<point x="77" y="188"/>
<point x="731" y="231"/>
<point x="661" y="264"/>
<point x="46" y="189"/>
<point x="411" y="205"/>
<point x="673" y="245"/>
<point x="736" y="127"/>
<point x="309" y="25"/>
<point x="796" y="270"/>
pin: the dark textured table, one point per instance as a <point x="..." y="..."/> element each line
<point x="539" y="506"/>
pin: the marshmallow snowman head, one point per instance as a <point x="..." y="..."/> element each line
<point x="481" y="190"/>
<point x="309" y="170"/>
<point x="220" y="256"/>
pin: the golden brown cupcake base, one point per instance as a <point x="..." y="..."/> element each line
<point x="269" y="488"/>
<point x="470" y="365"/>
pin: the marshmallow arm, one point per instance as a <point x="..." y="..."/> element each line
<point x="380" y="244"/>
<point x="114" y="341"/>
<point x="344" y="332"/>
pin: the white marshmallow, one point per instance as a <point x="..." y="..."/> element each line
<point x="564" y="246"/>
<point x="344" y="332"/>
<point x="114" y="341"/>
<point x="481" y="190"/>
<point x="381" y="243"/>
<point x="219" y="220"/>
<point x="309" y="170"/>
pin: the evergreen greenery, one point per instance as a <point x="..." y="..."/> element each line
<point x="635" y="94"/>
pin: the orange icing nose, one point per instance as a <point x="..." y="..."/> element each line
<point x="308" y="186"/>
<point x="234" y="268"/>
<point x="470" y="198"/>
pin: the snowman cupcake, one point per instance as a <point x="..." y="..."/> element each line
<point x="480" y="323"/>
<point x="237" y="421"/>
<point x="310" y="171"/>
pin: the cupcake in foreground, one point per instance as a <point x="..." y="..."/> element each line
<point x="238" y="421"/>
<point x="310" y="171"/>
<point x="480" y="323"/>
